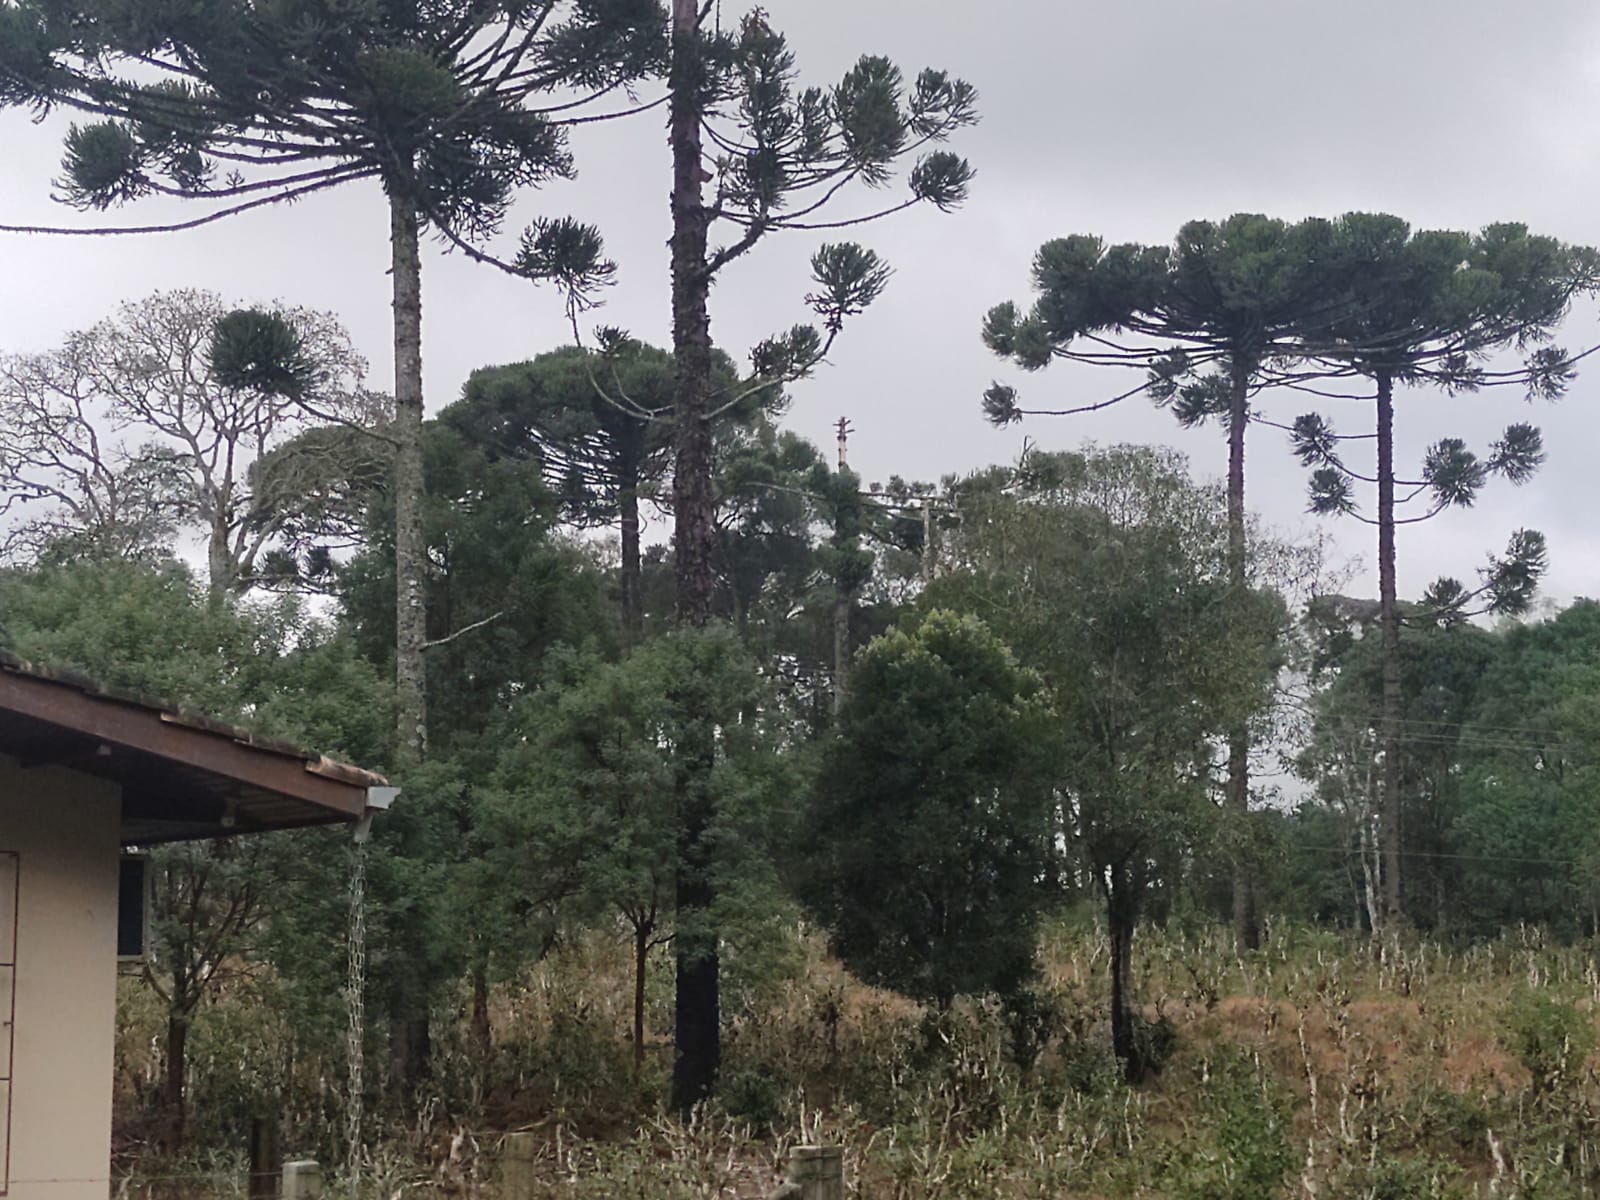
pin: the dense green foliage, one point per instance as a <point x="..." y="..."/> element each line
<point x="978" y="779"/>
<point x="1497" y="744"/>
<point x="931" y="831"/>
<point x="1106" y="571"/>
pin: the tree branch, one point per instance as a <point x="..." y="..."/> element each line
<point x="463" y="631"/>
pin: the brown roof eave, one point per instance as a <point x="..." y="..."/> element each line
<point x="221" y="751"/>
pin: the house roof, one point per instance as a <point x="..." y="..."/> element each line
<point x="182" y="776"/>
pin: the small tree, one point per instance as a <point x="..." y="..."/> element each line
<point x="503" y="588"/>
<point x="585" y="801"/>
<point x="156" y="420"/>
<point x="929" y="830"/>
<point x="1107" y="572"/>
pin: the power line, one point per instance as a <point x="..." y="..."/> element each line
<point x="1440" y="854"/>
<point x="1470" y="732"/>
<point x="1375" y="715"/>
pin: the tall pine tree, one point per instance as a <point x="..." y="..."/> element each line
<point x="1214" y="319"/>
<point x="1428" y="308"/>
<point x="780" y="158"/>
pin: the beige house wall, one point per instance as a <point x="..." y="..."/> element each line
<point x="63" y="829"/>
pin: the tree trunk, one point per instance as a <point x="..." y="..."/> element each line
<point x="697" y="1024"/>
<point x="266" y="1157"/>
<point x="221" y="578"/>
<point x="1371" y="879"/>
<point x="641" y="963"/>
<point x="411" y="1048"/>
<point x="1120" y="920"/>
<point x="482" y="1033"/>
<point x="1246" y="931"/>
<point x="409" y="552"/>
<point x="930" y="550"/>
<point x="841" y="649"/>
<point x="694" y="531"/>
<point x="1055" y="880"/>
<point x="632" y="571"/>
<point x="174" y="1095"/>
<point x="1389" y="617"/>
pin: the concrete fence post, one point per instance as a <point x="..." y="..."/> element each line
<point x="302" y="1180"/>
<point x="518" y="1160"/>
<point x="816" y="1173"/>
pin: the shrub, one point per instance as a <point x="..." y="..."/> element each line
<point x="1550" y="1038"/>
<point x="1243" y="1151"/>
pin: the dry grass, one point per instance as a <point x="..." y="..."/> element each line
<point x="1322" y="1066"/>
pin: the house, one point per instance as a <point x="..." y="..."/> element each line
<point x="85" y="772"/>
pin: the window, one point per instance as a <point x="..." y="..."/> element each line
<point x="133" y="908"/>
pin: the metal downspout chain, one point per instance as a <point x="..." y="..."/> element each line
<point x="355" y="1007"/>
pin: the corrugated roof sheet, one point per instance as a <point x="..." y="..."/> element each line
<point x="315" y="763"/>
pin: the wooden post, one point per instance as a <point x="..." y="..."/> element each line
<point x="817" y="1172"/>
<point x="517" y="1160"/>
<point x="264" y="1158"/>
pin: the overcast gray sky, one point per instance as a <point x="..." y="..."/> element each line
<point x="1118" y="117"/>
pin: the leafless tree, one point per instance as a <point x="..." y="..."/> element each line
<point x="128" y="437"/>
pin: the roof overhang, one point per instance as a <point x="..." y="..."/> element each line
<point x="182" y="777"/>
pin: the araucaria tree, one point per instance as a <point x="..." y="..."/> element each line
<point x="1428" y="308"/>
<point x="599" y="423"/>
<point x="241" y="104"/>
<point x="604" y="443"/>
<point x="779" y="159"/>
<point x="776" y="158"/>
<point x="161" y="419"/>
<point x="1214" y="319"/>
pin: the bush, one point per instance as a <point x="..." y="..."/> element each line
<point x="1243" y="1151"/>
<point x="1032" y="1019"/>
<point x="754" y="1097"/>
<point x="1154" y="1043"/>
<point x="1454" y="1121"/>
<point x="1551" y="1039"/>
<point x="1402" y="1179"/>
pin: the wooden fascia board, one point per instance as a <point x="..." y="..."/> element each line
<point x="148" y="731"/>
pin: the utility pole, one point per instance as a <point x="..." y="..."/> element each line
<point x="842" y="597"/>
